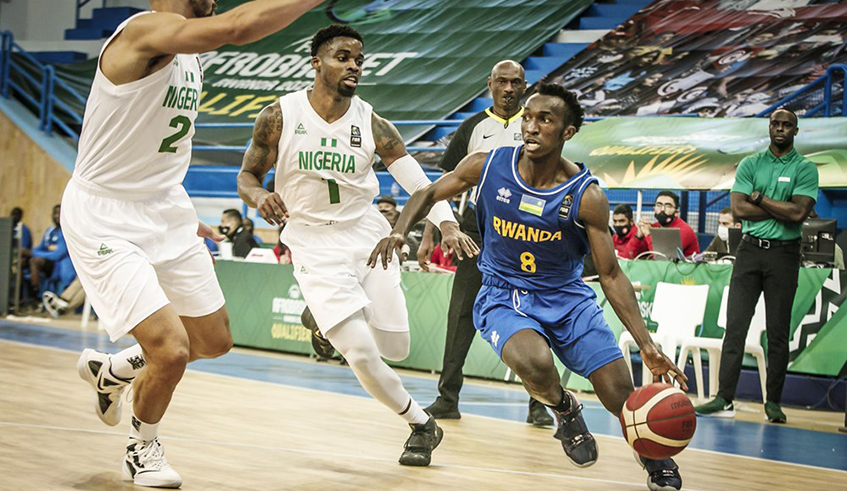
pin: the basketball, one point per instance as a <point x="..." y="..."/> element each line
<point x="658" y="421"/>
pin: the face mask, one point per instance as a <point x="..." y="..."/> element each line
<point x="723" y="233"/>
<point x="223" y="229"/>
<point x="622" y="231"/>
<point x="663" y="218"/>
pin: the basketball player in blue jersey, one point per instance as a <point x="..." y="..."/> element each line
<point x="538" y="215"/>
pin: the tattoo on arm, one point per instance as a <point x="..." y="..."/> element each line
<point x="261" y="155"/>
<point x="389" y="143"/>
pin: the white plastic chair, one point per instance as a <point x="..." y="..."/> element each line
<point x="713" y="346"/>
<point x="678" y="310"/>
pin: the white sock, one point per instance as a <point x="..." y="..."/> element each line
<point x="128" y="362"/>
<point x="353" y="339"/>
<point x="140" y="430"/>
<point x="414" y="414"/>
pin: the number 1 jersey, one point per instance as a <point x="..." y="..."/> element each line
<point x="136" y="137"/>
<point x="324" y="171"/>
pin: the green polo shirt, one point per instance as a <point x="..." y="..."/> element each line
<point x="778" y="178"/>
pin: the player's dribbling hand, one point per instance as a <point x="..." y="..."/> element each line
<point x="208" y="232"/>
<point x="455" y="241"/>
<point x="272" y="209"/>
<point x="386" y="248"/>
<point x="662" y="368"/>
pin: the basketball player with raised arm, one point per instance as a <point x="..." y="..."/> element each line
<point x="322" y="141"/>
<point x="131" y="229"/>
<point x="538" y="216"/>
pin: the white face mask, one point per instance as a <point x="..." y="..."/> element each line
<point x="723" y="233"/>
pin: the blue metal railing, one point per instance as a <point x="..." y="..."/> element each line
<point x="47" y="104"/>
<point x="824" y="83"/>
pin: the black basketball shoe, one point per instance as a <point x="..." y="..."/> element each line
<point x="578" y="443"/>
<point x="323" y="348"/>
<point x="423" y="440"/>
<point x="662" y="475"/>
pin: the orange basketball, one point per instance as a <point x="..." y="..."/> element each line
<point x="658" y="421"/>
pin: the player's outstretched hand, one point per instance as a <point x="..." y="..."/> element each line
<point x="455" y="241"/>
<point x="272" y="209"/>
<point x="425" y="251"/>
<point x="386" y="248"/>
<point x="662" y="367"/>
<point x="206" y="231"/>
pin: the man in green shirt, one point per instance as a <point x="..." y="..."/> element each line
<point x="774" y="192"/>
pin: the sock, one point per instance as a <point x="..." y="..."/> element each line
<point x="140" y="430"/>
<point x="128" y="362"/>
<point x="413" y="413"/>
<point x="563" y="406"/>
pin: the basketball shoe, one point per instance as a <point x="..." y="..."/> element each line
<point x="94" y="368"/>
<point x="323" y="348"/>
<point x="442" y="410"/>
<point x="423" y="440"/>
<point x="55" y="305"/>
<point x="538" y="415"/>
<point x="145" y="465"/>
<point x="773" y="413"/>
<point x="662" y="475"/>
<point x="716" y="408"/>
<point x="578" y="443"/>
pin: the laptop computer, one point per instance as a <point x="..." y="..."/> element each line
<point x="666" y="241"/>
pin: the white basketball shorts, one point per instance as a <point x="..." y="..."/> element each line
<point x="133" y="257"/>
<point x="330" y="264"/>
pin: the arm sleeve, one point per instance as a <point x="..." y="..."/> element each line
<point x="807" y="181"/>
<point x="744" y="177"/>
<point x="408" y="173"/>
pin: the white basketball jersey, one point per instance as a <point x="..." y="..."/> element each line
<point x="324" y="171"/>
<point x="136" y="137"/>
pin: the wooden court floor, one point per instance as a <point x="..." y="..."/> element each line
<point x="226" y="433"/>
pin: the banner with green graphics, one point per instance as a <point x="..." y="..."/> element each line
<point x="697" y="153"/>
<point x="265" y="303"/>
<point x="423" y="58"/>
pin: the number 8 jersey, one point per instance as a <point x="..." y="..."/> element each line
<point x="136" y="137"/>
<point x="324" y="171"/>
<point x="531" y="238"/>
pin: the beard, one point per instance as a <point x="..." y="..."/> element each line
<point x="345" y="91"/>
<point x="202" y="8"/>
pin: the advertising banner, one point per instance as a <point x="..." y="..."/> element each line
<point x="715" y="58"/>
<point x="423" y="59"/>
<point x="697" y="153"/>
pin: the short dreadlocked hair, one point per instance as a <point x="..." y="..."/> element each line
<point x="331" y="32"/>
<point x="577" y="116"/>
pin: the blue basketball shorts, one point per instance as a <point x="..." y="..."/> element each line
<point x="569" y="319"/>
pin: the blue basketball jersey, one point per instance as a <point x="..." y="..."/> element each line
<point x="531" y="238"/>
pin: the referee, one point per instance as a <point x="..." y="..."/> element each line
<point x="497" y="126"/>
<point x="774" y="192"/>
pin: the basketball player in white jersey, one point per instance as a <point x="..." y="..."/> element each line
<point x="322" y="141"/>
<point x="131" y="229"/>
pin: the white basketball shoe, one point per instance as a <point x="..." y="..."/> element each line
<point x="94" y="367"/>
<point x="145" y="465"/>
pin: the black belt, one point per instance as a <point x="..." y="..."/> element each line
<point x="767" y="243"/>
